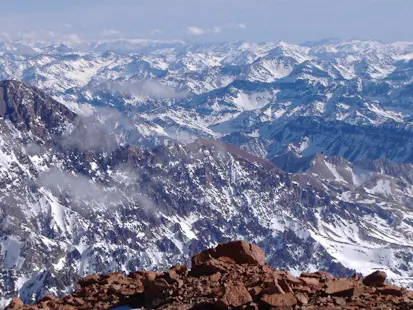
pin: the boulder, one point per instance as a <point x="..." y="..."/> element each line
<point x="375" y="279"/>
<point x="343" y="288"/>
<point x="240" y="252"/>
<point x="390" y="290"/>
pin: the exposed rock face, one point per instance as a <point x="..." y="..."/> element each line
<point x="242" y="282"/>
<point x="31" y="109"/>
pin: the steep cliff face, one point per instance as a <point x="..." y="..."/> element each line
<point x="231" y="276"/>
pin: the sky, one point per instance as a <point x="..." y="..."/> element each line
<point x="293" y="21"/>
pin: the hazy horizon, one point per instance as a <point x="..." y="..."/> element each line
<point x="293" y="21"/>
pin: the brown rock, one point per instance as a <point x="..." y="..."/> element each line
<point x="251" y="306"/>
<point x="156" y="292"/>
<point x="235" y="295"/>
<point x="180" y="283"/>
<point x="51" y="304"/>
<point x="390" y="290"/>
<point x="302" y="299"/>
<point x="409" y="296"/>
<point x="273" y="288"/>
<point x="127" y="292"/>
<point x="375" y="279"/>
<point x="89" y="280"/>
<point x="68" y="299"/>
<point x="227" y="260"/>
<point x="318" y="275"/>
<point x="313" y="283"/>
<point x="70" y="307"/>
<point x="144" y="275"/>
<point x="302" y="289"/>
<point x="343" y="288"/>
<point x="215" y="277"/>
<point x="113" y="278"/>
<point x="114" y="288"/>
<point x="240" y="252"/>
<point x="340" y="301"/>
<point x="47" y="298"/>
<point x="171" y="275"/>
<point x="223" y="282"/>
<point x="278" y="300"/>
<point x="210" y="266"/>
<point x="142" y="278"/>
<point x="291" y="279"/>
<point x="180" y="269"/>
<point x="254" y="280"/>
<point x="78" y="302"/>
<point x="285" y="286"/>
<point x="255" y="291"/>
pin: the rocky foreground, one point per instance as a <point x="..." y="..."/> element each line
<point x="231" y="276"/>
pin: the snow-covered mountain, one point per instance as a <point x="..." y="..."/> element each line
<point x="131" y="154"/>
<point x="235" y="92"/>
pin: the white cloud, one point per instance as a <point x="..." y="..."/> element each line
<point x="148" y="88"/>
<point x="71" y="37"/>
<point x="110" y="32"/>
<point x="193" y="30"/>
<point x="197" y="31"/>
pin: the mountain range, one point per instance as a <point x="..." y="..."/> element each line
<point x="134" y="154"/>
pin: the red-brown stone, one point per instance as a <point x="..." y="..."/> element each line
<point x="228" y="280"/>
<point x="278" y="300"/>
<point x="235" y="295"/>
<point x="89" y="280"/>
<point x="375" y="279"/>
<point x="343" y="288"/>
<point x="240" y="252"/>
<point x="390" y="290"/>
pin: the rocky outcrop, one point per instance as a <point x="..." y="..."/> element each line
<point x="231" y="276"/>
<point x="31" y="109"/>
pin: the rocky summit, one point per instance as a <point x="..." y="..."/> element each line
<point x="231" y="276"/>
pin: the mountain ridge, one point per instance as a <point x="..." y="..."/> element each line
<point x="112" y="178"/>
